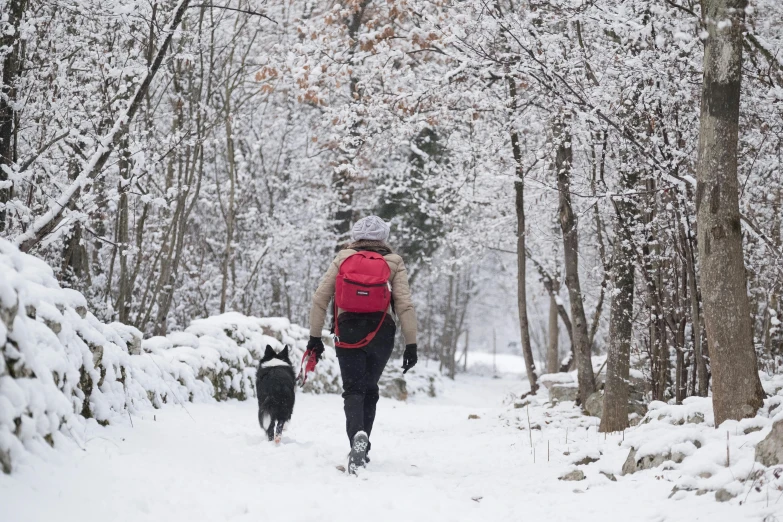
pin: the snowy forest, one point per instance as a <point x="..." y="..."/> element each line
<point x="594" y="185"/>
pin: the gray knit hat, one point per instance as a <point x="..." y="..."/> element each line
<point x="372" y="228"/>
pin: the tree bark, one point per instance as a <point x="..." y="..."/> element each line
<point x="519" y="189"/>
<point x="568" y="223"/>
<point x="10" y="41"/>
<point x="616" y="392"/>
<point x="230" y="213"/>
<point x="737" y="391"/>
<point x="552" y="351"/>
<point x="125" y="289"/>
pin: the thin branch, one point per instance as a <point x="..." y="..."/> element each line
<point x="40" y="151"/>
<point x="682" y="8"/>
<point x="243" y="11"/>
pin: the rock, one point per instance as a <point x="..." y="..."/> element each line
<point x="705" y="474"/>
<point x="134" y="345"/>
<point x="561" y="393"/>
<point x="630" y="466"/>
<point x="585" y="461"/>
<point x="54" y="326"/>
<point x="551" y="379"/>
<point x="638" y="408"/>
<point x="678" y="457"/>
<point x="769" y="451"/>
<point x="695" y="418"/>
<point x="5" y="462"/>
<point x="395" y="388"/>
<point x="473" y="416"/>
<point x="82" y="311"/>
<point x="752" y="429"/>
<point x="594" y="405"/>
<point x="577" y="474"/>
<point x="30" y="311"/>
<point x="8" y="313"/>
<point x="633" y="464"/>
<point x="608" y="475"/>
<point x="701" y="492"/>
<point x="652" y="461"/>
<point x="723" y="495"/>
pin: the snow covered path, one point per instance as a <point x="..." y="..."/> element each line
<point x="429" y="463"/>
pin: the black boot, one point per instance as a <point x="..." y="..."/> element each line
<point x="358" y="453"/>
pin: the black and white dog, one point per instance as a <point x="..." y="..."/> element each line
<point x="275" y="384"/>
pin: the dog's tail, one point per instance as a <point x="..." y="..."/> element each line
<point x="264" y="418"/>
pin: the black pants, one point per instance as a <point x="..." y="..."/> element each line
<point x="361" y="368"/>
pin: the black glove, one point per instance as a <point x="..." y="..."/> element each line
<point x="409" y="358"/>
<point x="317" y="346"/>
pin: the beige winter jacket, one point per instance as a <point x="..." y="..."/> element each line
<point x="401" y="294"/>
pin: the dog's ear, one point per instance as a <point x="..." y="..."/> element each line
<point x="269" y="353"/>
<point x="284" y="353"/>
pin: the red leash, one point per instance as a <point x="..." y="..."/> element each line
<point x="306" y="367"/>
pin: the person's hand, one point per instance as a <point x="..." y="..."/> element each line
<point x="317" y="346"/>
<point x="409" y="358"/>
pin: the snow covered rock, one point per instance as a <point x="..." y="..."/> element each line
<point x="563" y="392"/>
<point x="574" y="475"/>
<point x="550" y="379"/>
<point x="769" y="451"/>
<point x="394" y="388"/>
<point x="594" y="405"/>
<point x="724" y="495"/>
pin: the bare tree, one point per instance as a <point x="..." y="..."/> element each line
<point x="737" y="391"/>
<point x="519" y="190"/>
<point x="568" y="223"/>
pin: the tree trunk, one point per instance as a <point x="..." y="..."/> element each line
<point x="231" y="164"/>
<point x="123" y="238"/>
<point x="700" y="371"/>
<point x="774" y="298"/>
<point x="552" y="351"/>
<point x="616" y="393"/>
<point x="14" y="12"/>
<point x="519" y="188"/>
<point x="737" y="391"/>
<point x="568" y="224"/>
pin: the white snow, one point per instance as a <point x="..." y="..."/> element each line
<point x="429" y="463"/>
<point x="97" y="425"/>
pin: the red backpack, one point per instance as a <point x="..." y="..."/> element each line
<point x="362" y="286"/>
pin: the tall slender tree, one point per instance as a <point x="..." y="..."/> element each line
<point x="568" y="223"/>
<point x="737" y="391"/>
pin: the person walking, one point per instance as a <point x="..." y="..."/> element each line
<point x="369" y="286"/>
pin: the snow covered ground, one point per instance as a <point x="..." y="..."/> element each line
<point x="430" y="462"/>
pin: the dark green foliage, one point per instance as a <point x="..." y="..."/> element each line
<point x="409" y="201"/>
